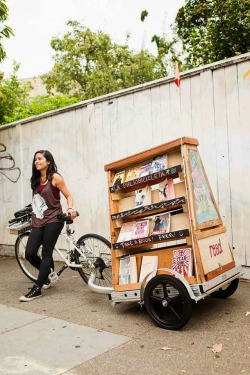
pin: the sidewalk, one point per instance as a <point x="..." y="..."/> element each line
<point x="73" y="331"/>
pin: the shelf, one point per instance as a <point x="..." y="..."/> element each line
<point x="151" y="209"/>
<point x="172" y="172"/>
<point x="164" y="237"/>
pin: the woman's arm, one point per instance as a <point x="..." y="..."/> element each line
<point x="59" y="183"/>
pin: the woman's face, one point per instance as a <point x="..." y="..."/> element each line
<point x="41" y="163"/>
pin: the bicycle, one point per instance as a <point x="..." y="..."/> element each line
<point x="90" y="254"/>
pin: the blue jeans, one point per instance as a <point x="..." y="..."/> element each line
<point x="47" y="237"/>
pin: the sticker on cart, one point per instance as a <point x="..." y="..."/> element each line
<point x="215" y="252"/>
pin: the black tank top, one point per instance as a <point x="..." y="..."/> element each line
<point x="46" y="205"/>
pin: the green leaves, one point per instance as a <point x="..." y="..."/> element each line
<point x="89" y="64"/>
<point x="144" y="14"/>
<point x="211" y="30"/>
<point x="5" y="31"/>
<point x="16" y="104"/>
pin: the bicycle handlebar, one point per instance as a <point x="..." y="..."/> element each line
<point x="66" y="217"/>
<point x="27" y="215"/>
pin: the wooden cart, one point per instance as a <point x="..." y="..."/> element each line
<point x="196" y="229"/>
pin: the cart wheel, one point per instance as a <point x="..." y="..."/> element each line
<point x="227" y="290"/>
<point x="167" y="302"/>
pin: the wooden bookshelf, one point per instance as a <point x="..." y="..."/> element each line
<point x="195" y="221"/>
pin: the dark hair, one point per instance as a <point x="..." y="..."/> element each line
<point x="52" y="168"/>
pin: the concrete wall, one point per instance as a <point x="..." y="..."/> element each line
<point x="212" y="104"/>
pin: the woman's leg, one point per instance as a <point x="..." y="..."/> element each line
<point x="51" y="233"/>
<point x="34" y="242"/>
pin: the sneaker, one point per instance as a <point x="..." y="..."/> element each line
<point x="47" y="285"/>
<point x="34" y="293"/>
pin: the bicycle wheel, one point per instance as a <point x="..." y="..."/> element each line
<point x="20" y="246"/>
<point x="167" y="302"/>
<point x="227" y="290"/>
<point x="97" y="251"/>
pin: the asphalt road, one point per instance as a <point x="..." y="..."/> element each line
<point x="73" y="331"/>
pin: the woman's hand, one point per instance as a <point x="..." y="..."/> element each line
<point x="73" y="213"/>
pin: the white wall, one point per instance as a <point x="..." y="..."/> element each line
<point x="212" y="104"/>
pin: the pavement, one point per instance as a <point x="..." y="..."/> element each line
<point x="73" y="331"/>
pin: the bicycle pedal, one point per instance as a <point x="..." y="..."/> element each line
<point x="53" y="277"/>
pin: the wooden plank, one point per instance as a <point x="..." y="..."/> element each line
<point x="186" y="107"/>
<point x="215" y="252"/>
<point x="222" y="151"/>
<point x="164" y="261"/>
<point x="196" y="115"/>
<point x="141" y="136"/>
<point x="141" y="156"/>
<point x="175" y="111"/>
<point x="149" y="210"/>
<point x="208" y="147"/>
<point x="210" y="232"/>
<point x="236" y="157"/>
<point x="149" y="241"/>
<point x="219" y="271"/>
<point x="153" y="178"/>
<point x="174" y="158"/>
<point x="166" y="123"/>
<point x="155" y="116"/>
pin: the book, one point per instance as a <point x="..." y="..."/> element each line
<point x="119" y="178"/>
<point x="128" y="270"/>
<point x="141" y="229"/>
<point x="166" y="190"/>
<point x="126" y="231"/>
<point x="145" y="170"/>
<point x="143" y="197"/>
<point x="133" y="269"/>
<point x="133" y="173"/>
<point x="158" y="163"/>
<point x="124" y="273"/>
<point x="161" y="224"/>
<point x="149" y="263"/>
<point x="182" y="261"/>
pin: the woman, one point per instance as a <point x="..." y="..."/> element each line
<point x="46" y="185"/>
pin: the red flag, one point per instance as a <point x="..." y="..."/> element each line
<point x="177" y="80"/>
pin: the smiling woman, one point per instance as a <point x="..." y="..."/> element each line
<point x="46" y="185"/>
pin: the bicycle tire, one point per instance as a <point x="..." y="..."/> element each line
<point x="227" y="290"/>
<point x="167" y="302"/>
<point x="99" y="264"/>
<point x="20" y="246"/>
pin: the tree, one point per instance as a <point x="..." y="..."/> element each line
<point x="13" y="96"/>
<point x="16" y="104"/>
<point x="89" y="64"/>
<point x="211" y="30"/>
<point x="5" y="31"/>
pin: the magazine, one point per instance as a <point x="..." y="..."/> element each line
<point x="158" y="164"/>
<point x="133" y="173"/>
<point x="161" y="224"/>
<point x="166" y="190"/>
<point x="119" y="178"/>
<point x="141" y="229"/>
<point x="182" y="261"/>
<point x="128" y="270"/>
<point x="149" y="263"/>
<point x="145" y="170"/>
<point x="126" y="231"/>
<point x="143" y="197"/>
